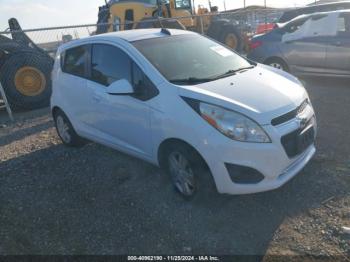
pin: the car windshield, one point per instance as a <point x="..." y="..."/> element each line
<point x="191" y="59"/>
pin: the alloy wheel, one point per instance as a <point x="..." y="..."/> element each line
<point x="63" y="129"/>
<point x="277" y="65"/>
<point x="182" y="174"/>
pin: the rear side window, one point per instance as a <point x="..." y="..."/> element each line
<point x="294" y="26"/>
<point x="74" y="61"/>
<point x="109" y="64"/>
<point x="343" y="25"/>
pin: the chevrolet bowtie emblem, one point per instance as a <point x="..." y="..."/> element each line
<point x="302" y="121"/>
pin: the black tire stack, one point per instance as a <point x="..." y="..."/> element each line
<point x="16" y="60"/>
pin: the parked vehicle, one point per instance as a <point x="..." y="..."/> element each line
<point x="328" y="7"/>
<point x="182" y="101"/>
<point x="138" y="14"/>
<point x="317" y="44"/>
<point x="265" y="28"/>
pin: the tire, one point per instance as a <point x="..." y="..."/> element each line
<point x="14" y="69"/>
<point x="66" y="131"/>
<point x="231" y="37"/>
<point x="277" y="63"/>
<point x="189" y="177"/>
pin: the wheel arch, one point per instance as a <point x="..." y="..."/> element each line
<point x="55" y="109"/>
<point x="277" y="58"/>
<point x="167" y="143"/>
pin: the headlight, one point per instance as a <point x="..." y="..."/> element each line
<point x="233" y="125"/>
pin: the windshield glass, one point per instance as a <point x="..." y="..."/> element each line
<point x="190" y="58"/>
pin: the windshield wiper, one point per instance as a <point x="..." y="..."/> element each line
<point x="195" y="80"/>
<point x="232" y="72"/>
<point x="190" y="80"/>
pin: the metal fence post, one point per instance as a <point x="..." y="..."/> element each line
<point x="6" y="104"/>
<point x="201" y="24"/>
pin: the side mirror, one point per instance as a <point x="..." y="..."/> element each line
<point x="120" y="87"/>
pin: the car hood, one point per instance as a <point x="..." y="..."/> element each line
<point x="261" y="93"/>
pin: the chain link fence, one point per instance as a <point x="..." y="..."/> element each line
<point x="249" y="21"/>
<point x="26" y="64"/>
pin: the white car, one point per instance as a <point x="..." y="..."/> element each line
<point x="182" y="101"/>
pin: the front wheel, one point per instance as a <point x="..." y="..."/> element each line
<point x="277" y="63"/>
<point x="188" y="171"/>
<point x="182" y="173"/>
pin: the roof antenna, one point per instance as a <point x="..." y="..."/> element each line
<point x="165" y="31"/>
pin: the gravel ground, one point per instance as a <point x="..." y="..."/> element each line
<point x="93" y="200"/>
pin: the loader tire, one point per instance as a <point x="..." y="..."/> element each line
<point x="231" y="37"/>
<point x="26" y="78"/>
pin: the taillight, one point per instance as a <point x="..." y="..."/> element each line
<point x="255" y="44"/>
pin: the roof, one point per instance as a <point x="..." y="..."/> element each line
<point x="327" y="2"/>
<point x="292" y="13"/>
<point x="142" y="34"/>
<point x="314" y="14"/>
<point x="127" y="35"/>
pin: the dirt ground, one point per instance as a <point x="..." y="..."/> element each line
<point x="93" y="200"/>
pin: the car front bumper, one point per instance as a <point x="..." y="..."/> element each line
<point x="270" y="160"/>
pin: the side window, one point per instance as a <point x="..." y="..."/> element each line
<point x="109" y="64"/>
<point x="321" y="25"/>
<point x="294" y="26"/>
<point x="343" y="25"/>
<point x="143" y="86"/>
<point x="182" y="4"/>
<point x="75" y="61"/>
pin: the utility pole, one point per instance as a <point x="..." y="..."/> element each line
<point x="225" y="5"/>
<point x="244" y="3"/>
<point x="265" y="15"/>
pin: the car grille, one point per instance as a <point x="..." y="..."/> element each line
<point x="290" y="115"/>
<point x="298" y="141"/>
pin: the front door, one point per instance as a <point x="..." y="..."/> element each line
<point x="338" y="51"/>
<point x="123" y="120"/>
<point x="304" y="43"/>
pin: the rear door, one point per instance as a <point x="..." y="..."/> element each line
<point x="304" y="44"/>
<point x="338" y="50"/>
<point x="73" y="81"/>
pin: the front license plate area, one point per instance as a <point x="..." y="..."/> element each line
<point x="305" y="138"/>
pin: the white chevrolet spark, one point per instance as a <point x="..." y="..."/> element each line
<point x="182" y="101"/>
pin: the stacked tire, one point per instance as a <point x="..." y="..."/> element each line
<point x="26" y="77"/>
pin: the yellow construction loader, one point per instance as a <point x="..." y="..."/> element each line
<point x="118" y="15"/>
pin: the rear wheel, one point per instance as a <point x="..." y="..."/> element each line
<point x="26" y="79"/>
<point x="66" y="131"/>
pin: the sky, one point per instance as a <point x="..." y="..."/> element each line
<point x="46" y="13"/>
